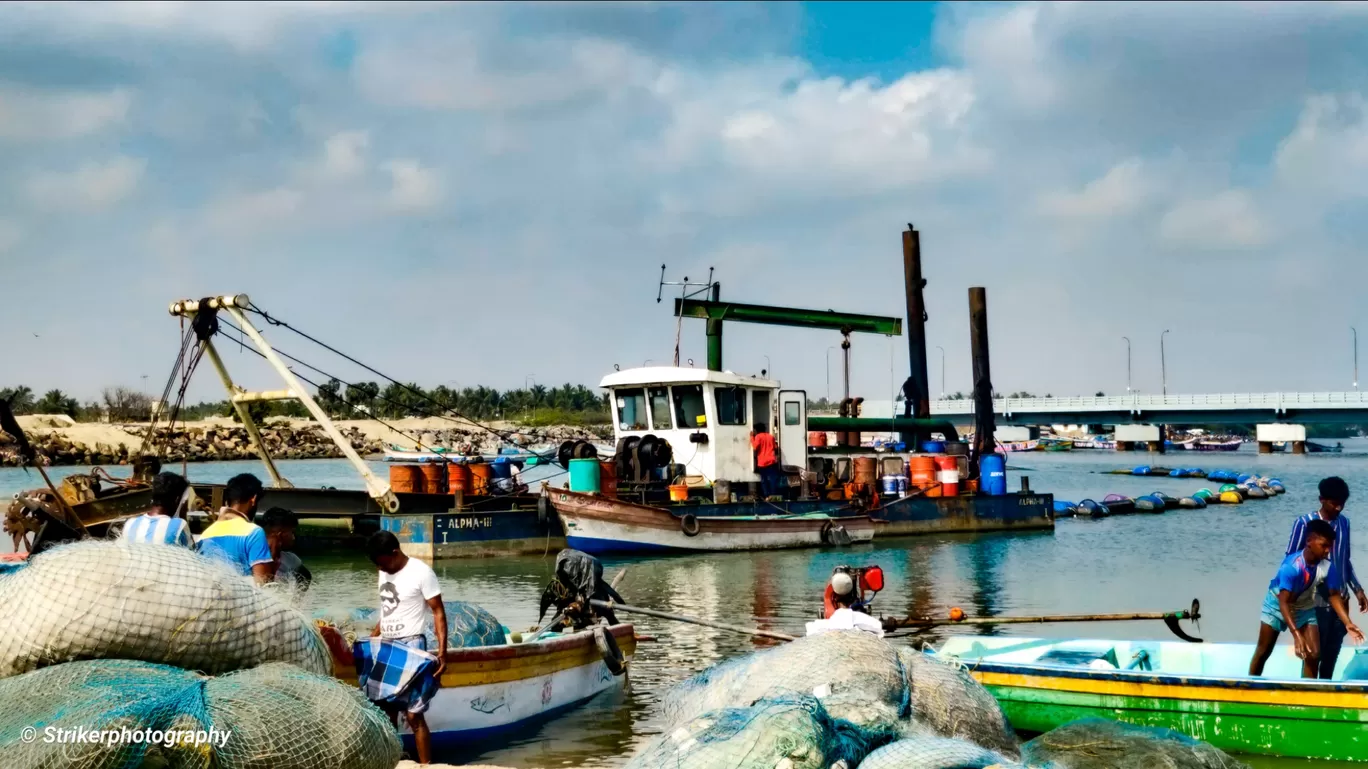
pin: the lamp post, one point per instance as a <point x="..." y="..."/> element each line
<point x="1351" y="328"/>
<point x="1128" y="364"/>
<point x="1163" y="368"/>
<point x="942" y="349"/>
<point x="768" y="372"/>
<point x="828" y="368"/>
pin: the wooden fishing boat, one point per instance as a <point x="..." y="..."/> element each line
<point x="599" y="524"/>
<point x="1230" y="445"/>
<point x="490" y="691"/>
<point x="1321" y="448"/>
<point x="1201" y="690"/>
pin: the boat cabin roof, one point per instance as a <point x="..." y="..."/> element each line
<point x="651" y="375"/>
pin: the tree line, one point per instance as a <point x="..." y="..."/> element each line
<point x="540" y="405"/>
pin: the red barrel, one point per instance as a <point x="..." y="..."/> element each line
<point x="434" y="477"/>
<point x="922" y="474"/>
<point x="406" y="479"/>
<point x="608" y="479"/>
<point x="817" y="440"/>
<point x="458" y="479"/>
<point x="866" y="471"/>
<point x="480" y="473"/>
<point x="948" y="473"/>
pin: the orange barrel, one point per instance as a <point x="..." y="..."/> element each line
<point x="480" y="473"/>
<point x="971" y="485"/>
<point x="817" y="440"/>
<point x="406" y="479"/>
<point x="434" y="477"/>
<point x="458" y="479"/>
<point x="608" y="479"/>
<point x="921" y="471"/>
<point x="866" y="471"/>
<point x="948" y="474"/>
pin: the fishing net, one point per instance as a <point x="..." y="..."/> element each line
<point x="856" y="676"/>
<point x="157" y="603"/>
<point x="1095" y="743"/>
<point x="97" y="714"/>
<point x="932" y="752"/>
<point x="468" y="625"/>
<point x="948" y="701"/>
<point x="790" y="732"/>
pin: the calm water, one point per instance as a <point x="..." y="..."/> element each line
<point x="1223" y="555"/>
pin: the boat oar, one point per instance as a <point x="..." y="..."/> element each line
<point x="616" y="607"/>
<point x="957" y="617"/>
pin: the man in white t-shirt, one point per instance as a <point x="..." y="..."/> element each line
<point x="409" y="596"/>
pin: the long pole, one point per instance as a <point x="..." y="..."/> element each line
<point x="918" y="403"/>
<point x="828" y="368"/>
<point x="930" y="622"/>
<point x="1163" y="368"/>
<point x="1351" y="328"/>
<point x="616" y="607"/>
<point x="942" y="352"/>
<point x="985" y="421"/>
<point x="1128" y="364"/>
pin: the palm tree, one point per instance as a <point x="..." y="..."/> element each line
<point x="20" y="398"/>
<point x="56" y="402"/>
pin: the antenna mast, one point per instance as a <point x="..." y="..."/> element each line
<point x="684" y="293"/>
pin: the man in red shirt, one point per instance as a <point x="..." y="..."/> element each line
<point x="766" y="459"/>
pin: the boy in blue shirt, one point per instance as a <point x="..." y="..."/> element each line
<point x="1291" y="602"/>
<point x="234" y="538"/>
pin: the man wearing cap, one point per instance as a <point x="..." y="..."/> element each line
<point x="843" y="595"/>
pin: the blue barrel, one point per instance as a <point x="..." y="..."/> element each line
<point x="890" y="485"/>
<point x="933" y="447"/>
<point x="1242" y="478"/>
<point x="1141" y="470"/>
<point x="500" y="469"/>
<point x="584" y="475"/>
<point x="993" y="475"/>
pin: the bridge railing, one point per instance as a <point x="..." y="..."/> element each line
<point x="1139" y="403"/>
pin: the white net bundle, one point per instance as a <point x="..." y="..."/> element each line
<point x="932" y="752"/>
<point x="1096" y="743"/>
<point x="156" y="603"/>
<point x="856" y="676"/>
<point x="948" y="702"/>
<point x="120" y="714"/>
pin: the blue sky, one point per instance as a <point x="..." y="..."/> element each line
<point x="472" y="193"/>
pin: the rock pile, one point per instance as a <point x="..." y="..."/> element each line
<point x="197" y="444"/>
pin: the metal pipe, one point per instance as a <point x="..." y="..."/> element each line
<point x="876" y="424"/>
<point x="250" y="426"/>
<point x="916" y="389"/>
<point x="713" y="331"/>
<point x="828" y="373"/>
<point x="985" y="423"/>
<point x="1163" y="367"/>
<point x="845" y="354"/>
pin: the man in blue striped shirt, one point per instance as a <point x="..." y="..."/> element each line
<point x="160" y="524"/>
<point x="1334" y="492"/>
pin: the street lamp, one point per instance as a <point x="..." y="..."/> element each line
<point x="1128" y="364"/>
<point x="1163" y="368"/>
<point x="942" y="349"/>
<point x="768" y="373"/>
<point x="828" y="366"/>
<point x="1351" y="328"/>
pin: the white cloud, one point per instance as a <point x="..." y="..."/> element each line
<point x="1228" y="220"/>
<point x="91" y="186"/>
<point x="1121" y="191"/>
<point x="27" y="114"/>
<point x="1327" y="152"/>
<point x="344" y="154"/>
<point x="253" y="211"/>
<point x="412" y="187"/>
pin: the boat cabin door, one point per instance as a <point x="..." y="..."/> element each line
<point x="792" y="424"/>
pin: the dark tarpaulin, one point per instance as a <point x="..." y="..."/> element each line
<point x="579" y="578"/>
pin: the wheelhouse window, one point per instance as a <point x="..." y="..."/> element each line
<point x="792" y="415"/>
<point x="731" y="405"/>
<point x="631" y="408"/>
<point x="660" y="408"/>
<point x="688" y="404"/>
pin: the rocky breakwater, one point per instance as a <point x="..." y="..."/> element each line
<point x="195" y="444"/>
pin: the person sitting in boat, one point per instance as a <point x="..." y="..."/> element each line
<point x="1291" y="601"/>
<point x="766" y="459"/>
<point x="159" y="525"/>
<point x="234" y="538"/>
<point x="1334" y="493"/>
<point x="280" y="526"/>
<point x="409" y="598"/>
<point x="843" y="595"/>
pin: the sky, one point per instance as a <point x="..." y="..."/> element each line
<point x="484" y="194"/>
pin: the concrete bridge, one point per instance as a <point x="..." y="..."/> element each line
<point x="1278" y="416"/>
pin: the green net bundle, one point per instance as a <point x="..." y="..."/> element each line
<point x="156" y="603"/>
<point x="947" y="701"/>
<point x="789" y="732"/>
<point x="856" y="676"/>
<point x="1094" y="743"/>
<point x="272" y="717"/>
<point x="932" y="752"/>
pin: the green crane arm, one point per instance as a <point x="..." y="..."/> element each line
<point x="788" y="316"/>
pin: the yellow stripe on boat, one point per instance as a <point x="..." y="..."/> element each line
<point x="1118" y="688"/>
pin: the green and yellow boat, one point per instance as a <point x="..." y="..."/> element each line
<point x="1202" y="690"/>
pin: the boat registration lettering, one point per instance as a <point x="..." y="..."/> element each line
<point x="1030" y="501"/>
<point x="470" y="522"/>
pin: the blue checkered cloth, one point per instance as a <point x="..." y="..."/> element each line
<point x="398" y="672"/>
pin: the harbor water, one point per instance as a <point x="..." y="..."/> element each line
<point x="1223" y="555"/>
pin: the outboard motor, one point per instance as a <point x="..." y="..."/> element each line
<point x="578" y="579"/>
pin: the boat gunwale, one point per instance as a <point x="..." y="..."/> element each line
<point x="669" y="510"/>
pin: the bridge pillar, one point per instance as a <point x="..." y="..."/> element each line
<point x="1128" y="436"/>
<point x="1267" y="435"/>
